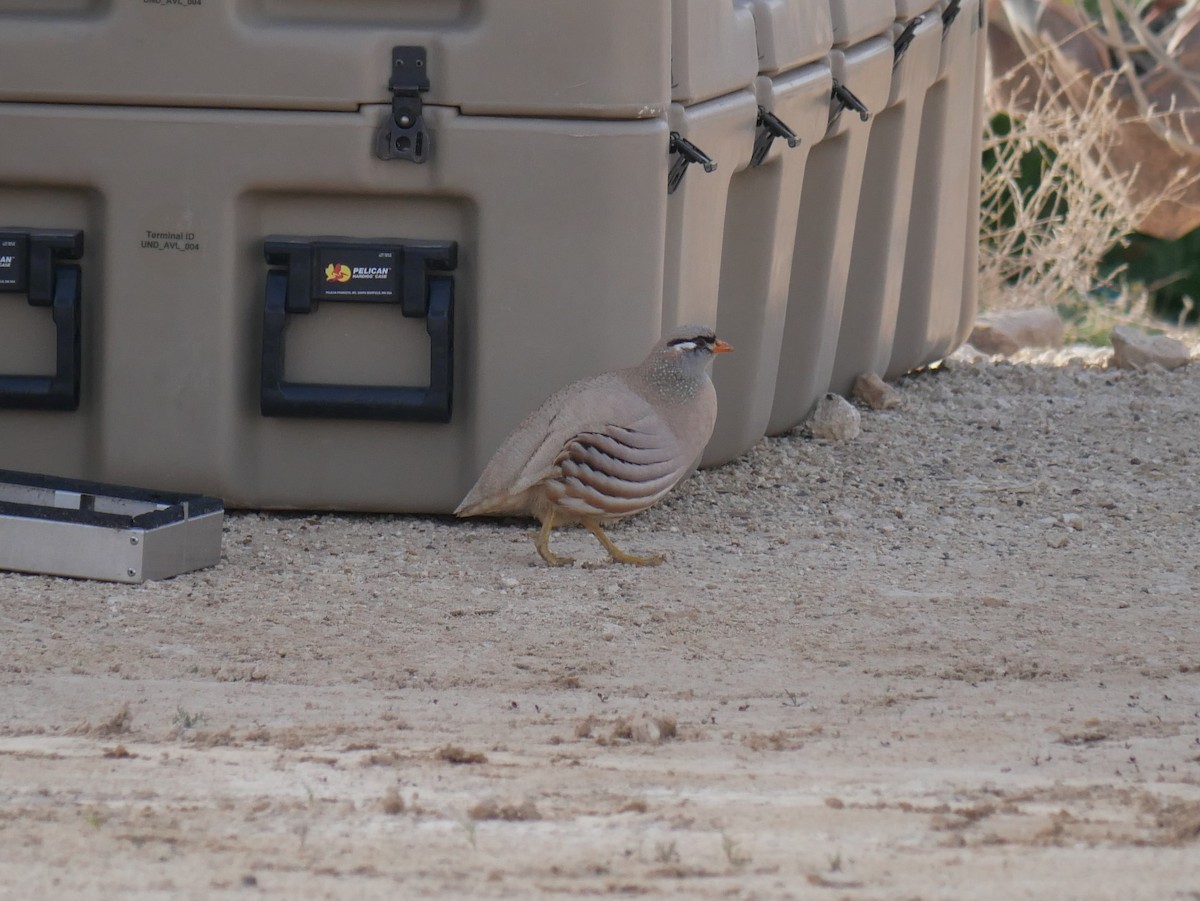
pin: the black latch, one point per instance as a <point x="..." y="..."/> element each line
<point x="950" y="13"/>
<point x="900" y="45"/>
<point x="688" y="153"/>
<point x="770" y="127"/>
<point x="32" y="262"/>
<point x="404" y="136"/>
<point x="843" y="98"/>
<point x="344" y="270"/>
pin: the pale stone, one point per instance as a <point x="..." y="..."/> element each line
<point x="835" y="418"/>
<point x="875" y="392"/>
<point x="646" y="731"/>
<point x="968" y="355"/>
<point x="1136" y="350"/>
<point x="1008" y="331"/>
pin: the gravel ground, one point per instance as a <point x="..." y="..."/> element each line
<point x="956" y="657"/>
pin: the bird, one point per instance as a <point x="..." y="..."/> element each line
<point x="607" y="447"/>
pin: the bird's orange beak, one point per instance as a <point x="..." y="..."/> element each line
<point x="722" y="347"/>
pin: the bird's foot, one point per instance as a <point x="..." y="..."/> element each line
<point x="636" y="560"/>
<point x="542" y="542"/>
<point x="618" y="555"/>
<point x="554" y="559"/>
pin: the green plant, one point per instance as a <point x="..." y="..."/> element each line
<point x="184" y="719"/>
<point x="1169" y="272"/>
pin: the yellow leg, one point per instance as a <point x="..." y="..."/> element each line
<point x="618" y="555"/>
<point x="542" y="543"/>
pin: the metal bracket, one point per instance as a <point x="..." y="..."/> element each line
<point x="32" y="263"/>
<point x="900" y="46"/>
<point x="404" y="136"/>
<point x="950" y="13"/>
<point x="770" y="127"/>
<point x="688" y="153"/>
<point x="843" y="98"/>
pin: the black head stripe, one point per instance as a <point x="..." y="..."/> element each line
<point x="705" y="341"/>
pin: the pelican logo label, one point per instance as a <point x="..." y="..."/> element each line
<point x="12" y="263"/>
<point x="356" y="272"/>
<point x="372" y="271"/>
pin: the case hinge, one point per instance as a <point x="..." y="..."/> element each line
<point x="843" y="98"/>
<point x="686" y="154"/>
<point x="900" y="45"/>
<point x="770" y="127"/>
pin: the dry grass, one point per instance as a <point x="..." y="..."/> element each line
<point x="391" y="803"/>
<point x="459" y="756"/>
<point x="492" y="809"/>
<point x="120" y="723"/>
<point x="1043" y="244"/>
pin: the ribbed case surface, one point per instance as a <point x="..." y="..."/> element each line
<point x="325" y="255"/>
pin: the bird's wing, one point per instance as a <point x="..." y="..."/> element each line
<point x="598" y="421"/>
<point x="594" y="407"/>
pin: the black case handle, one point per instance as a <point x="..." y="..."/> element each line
<point x="31" y="263"/>
<point x="306" y="274"/>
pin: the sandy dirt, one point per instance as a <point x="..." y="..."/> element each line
<point x="958" y="657"/>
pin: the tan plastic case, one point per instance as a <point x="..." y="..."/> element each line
<point x="173" y="289"/>
<point x="825" y="234"/>
<point x="493" y="57"/>
<point x="199" y="197"/>
<point x="758" y="241"/>
<point x="937" y="297"/>
<point x="884" y="206"/>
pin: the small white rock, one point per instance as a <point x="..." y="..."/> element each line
<point x="842" y="516"/>
<point x="1073" y="521"/>
<point x="836" y="419"/>
<point x="646" y="731"/>
<point x="1058" y="539"/>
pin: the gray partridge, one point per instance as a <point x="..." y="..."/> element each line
<point x="608" y="446"/>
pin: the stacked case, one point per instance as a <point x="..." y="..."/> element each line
<point x="299" y="253"/>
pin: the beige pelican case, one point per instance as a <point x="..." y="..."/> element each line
<point x="325" y="255"/>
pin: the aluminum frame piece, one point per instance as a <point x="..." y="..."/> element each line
<point x="91" y="530"/>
